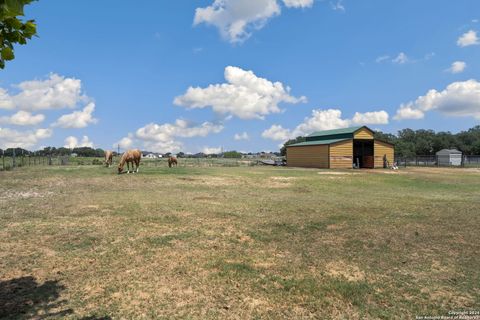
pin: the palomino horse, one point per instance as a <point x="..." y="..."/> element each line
<point x="108" y="158"/>
<point x="172" y="161"/>
<point x="130" y="157"/>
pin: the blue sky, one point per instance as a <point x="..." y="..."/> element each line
<point x="263" y="71"/>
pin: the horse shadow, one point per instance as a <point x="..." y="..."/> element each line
<point x="25" y="298"/>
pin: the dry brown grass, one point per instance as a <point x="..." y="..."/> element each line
<point x="238" y="243"/>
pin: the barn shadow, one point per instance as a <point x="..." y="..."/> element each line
<point x="25" y="298"/>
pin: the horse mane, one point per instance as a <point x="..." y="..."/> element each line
<point x="135" y="154"/>
<point x="123" y="159"/>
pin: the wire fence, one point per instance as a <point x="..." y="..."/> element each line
<point x="464" y="161"/>
<point x="9" y="162"/>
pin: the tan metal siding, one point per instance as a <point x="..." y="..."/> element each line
<point x="341" y="155"/>
<point x="308" y="156"/>
<point x="363" y="134"/>
<point x="382" y="149"/>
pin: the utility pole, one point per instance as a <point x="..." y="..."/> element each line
<point x="118" y="149"/>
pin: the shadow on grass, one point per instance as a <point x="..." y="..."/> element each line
<point x="25" y="298"/>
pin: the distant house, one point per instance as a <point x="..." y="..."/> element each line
<point x="74" y="155"/>
<point x="449" y="157"/>
<point x="150" y="155"/>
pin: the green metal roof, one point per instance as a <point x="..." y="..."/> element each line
<point x="316" y="143"/>
<point x="350" y="130"/>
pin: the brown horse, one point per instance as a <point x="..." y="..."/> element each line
<point x="130" y="156"/>
<point x="172" y="161"/>
<point x="108" y="158"/>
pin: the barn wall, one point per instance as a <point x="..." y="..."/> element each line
<point x="341" y="155"/>
<point x="380" y="149"/>
<point x="308" y="156"/>
<point x="363" y="134"/>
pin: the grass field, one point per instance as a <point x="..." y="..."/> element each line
<point x="238" y="243"/>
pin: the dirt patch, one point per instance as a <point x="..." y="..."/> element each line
<point x="92" y="206"/>
<point x="385" y="171"/>
<point x="212" y="181"/>
<point x="337" y="173"/>
<point x="344" y="270"/>
<point x="442" y="170"/>
<point x="209" y="200"/>
<point x="280" y="182"/>
<point x="204" y="198"/>
<point x="13" y="195"/>
<point x="220" y="181"/>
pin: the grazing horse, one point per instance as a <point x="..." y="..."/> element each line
<point x="130" y="157"/>
<point x="108" y="158"/>
<point x="172" y="161"/>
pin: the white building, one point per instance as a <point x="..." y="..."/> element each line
<point x="151" y="156"/>
<point x="449" y="157"/>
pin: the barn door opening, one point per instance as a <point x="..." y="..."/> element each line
<point x="363" y="156"/>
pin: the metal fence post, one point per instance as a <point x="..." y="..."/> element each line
<point x="14" y="161"/>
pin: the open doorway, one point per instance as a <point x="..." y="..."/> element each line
<point x="363" y="156"/>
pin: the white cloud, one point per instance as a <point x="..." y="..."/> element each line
<point x="212" y="150"/>
<point x="77" y="119"/>
<point x="22" y="139"/>
<point x="457" y="67"/>
<point x="277" y="132"/>
<point x="382" y="59"/>
<point x="236" y="19"/>
<point x="72" y="142"/>
<point x="325" y="120"/>
<point x="406" y="111"/>
<point x="461" y="99"/>
<point x="56" y="92"/>
<point x="125" y="142"/>
<point x="298" y="3"/>
<point x="181" y="128"/>
<point x="244" y="95"/>
<point x="23" y="118"/>
<point x="401" y="58"/>
<point x="241" y="136"/>
<point x="321" y="120"/>
<point x="469" y="38"/>
<point x="164" y="138"/>
<point x="6" y="102"/>
<point x="338" y="6"/>
<point x="375" y="117"/>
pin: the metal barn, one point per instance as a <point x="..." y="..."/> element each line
<point x="341" y="149"/>
<point x="449" y="157"/>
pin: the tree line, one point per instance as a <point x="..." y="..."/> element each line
<point x="52" y="151"/>
<point x="90" y="152"/>
<point x="409" y="143"/>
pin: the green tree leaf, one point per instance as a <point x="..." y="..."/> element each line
<point x="7" y="54"/>
<point x="12" y="29"/>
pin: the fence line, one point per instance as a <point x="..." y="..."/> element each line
<point x="470" y="161"/>
<point x="12" y="162"/>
